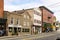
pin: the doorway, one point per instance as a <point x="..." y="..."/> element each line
<point x="15" y="31"/>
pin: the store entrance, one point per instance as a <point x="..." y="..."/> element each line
<point x="15" y="31"/>
<point x="3" y="27"/>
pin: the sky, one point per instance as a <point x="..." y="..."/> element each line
<point x="53" y="5"/>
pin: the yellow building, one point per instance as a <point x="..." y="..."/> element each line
<point x="54" y="24"/>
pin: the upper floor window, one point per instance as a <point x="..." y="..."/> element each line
<point x="11" y="20"/>
<point x="24" y="16"/>
<point x="27" y="17"/>
<point x="37" y="13"/>
<point x="27" y="23"/>
<point x="37" y="21"/>
<point x="24" y="23"/>
<point x="17" y="21"/>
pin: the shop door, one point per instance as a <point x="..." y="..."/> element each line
<point x="15" y="31"/>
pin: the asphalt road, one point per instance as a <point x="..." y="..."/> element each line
<point x="50" y="37"/>
<point x="54" y="37"/>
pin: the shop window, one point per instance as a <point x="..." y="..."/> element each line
<point x="10" y="29"/>
<point x="22" y="30"/>
<point x="25" y="30"/>
<point x="19" y="29"/>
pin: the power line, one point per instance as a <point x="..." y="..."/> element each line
<point x="57" y="11"/>
<point x="54" y="4"/>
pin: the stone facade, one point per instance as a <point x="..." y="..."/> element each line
<point x="19" y="23"/>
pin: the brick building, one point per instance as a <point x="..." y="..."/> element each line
<point x="3" y="31"/>
<point x="1" y="8"/>
<point x="47" y="16"/>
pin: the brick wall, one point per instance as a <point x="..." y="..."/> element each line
<point x="1" y="8"/>
<point x="46" y="14"/>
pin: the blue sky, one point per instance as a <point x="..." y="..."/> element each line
<point x="53" y="5"/>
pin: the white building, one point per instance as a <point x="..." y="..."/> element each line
<point x="37" y="24"/>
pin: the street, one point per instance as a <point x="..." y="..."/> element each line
<point x="44" y="36"/>
<point x="49" y="38"/>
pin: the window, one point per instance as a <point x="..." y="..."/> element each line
<point x="27" y="23"/>
<point x="27" y="17"/>
<point x="56" y="23"/>
<point x="10" y="29"/>
<point x="24" y="23"/>
<point x="35" y="21"/>
<point x="19" y="29"/>
<point x="37" y="13"/>
<point x="24" y="16"/>
<point x="17" y="21"/>
<point x="25" y="30"/>
<point x="11" y="20"/>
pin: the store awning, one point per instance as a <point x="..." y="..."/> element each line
<point x="11" y="25"/>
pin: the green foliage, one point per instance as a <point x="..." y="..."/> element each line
<point x="47" y="25"/>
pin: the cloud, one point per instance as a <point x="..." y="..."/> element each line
<point x="18" y="7"/>
<point x="57" y="14"/>
<point x="12" y="3"/>
<point x="49" y="2"/>
<point x="53" y="5"/>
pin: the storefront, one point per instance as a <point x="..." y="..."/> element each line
<point x="14" y="30"/>
<point x="36" y="29"/>
<point x="3" y="27"/>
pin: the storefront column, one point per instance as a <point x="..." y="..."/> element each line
<point x="33" y="29"/>
<point x="6" y="29"/>
<point x="21" y="31"/>
<point x="17" y="31"/>
<point x="40" y="29"/>
<point x="12" y="31"/>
